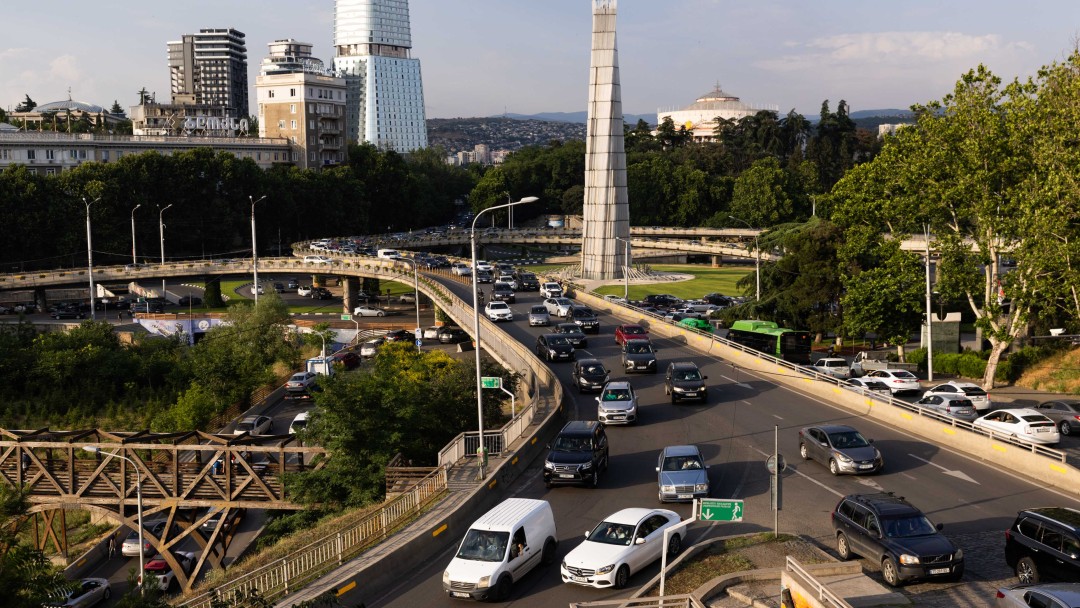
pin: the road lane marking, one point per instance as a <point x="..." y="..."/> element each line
<point x="346" y="588"/>
<point x="870" y="482"/>
<point x="737" y="383"/>
<point x="439" y="530"/>
<point x="956" y="474"/>
<point x="911" y="477"/>
<point x="777" y="417"/>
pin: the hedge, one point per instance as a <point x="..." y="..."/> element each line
<point x="972" y="364"/>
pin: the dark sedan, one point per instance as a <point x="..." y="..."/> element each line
<point x="590" y="375"/>
<point x="453" y="335"/>
<point x="639" y="356"/>
<point x="67" y="313"/>
<point x="554" y="347"/>
<point x="399" y="335"/>
<point x="573" y="333"/>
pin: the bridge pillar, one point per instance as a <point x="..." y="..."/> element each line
<point x="348" y="294"/>
<point x="717" y="261"/>
<point x="40" y="299"/>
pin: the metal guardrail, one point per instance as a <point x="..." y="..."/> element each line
<point x="823" y="594"/>
<point x="304" y="565"/>
<point x="668" y="601"/>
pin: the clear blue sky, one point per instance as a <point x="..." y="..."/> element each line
<point x="484" y="57"/>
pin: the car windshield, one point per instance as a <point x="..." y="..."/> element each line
<point x="612" y="534"/>
<point x="904" y="375"/>
<point x="538" y="310"/>
<point x="903" y="527"/>
<point x="558" y="341"/>
<point x="562" y="301"/>
<point x="691" y="374"/>
<point x="682" y="463"/>
<point x="616" y="394"/>
<point x="638" y="349"/>
<point x="593" y="369"/>
<point x="245" y="426"/>
<point x="572" y="444"/>
<point x="974" y="391"/>
<point x="484" y="546"/>
<point x="848" y="439"/>
<point x="498" y="306"/>
<point x="632" y="329"/>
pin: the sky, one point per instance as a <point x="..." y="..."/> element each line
<point x="489" y="57"/>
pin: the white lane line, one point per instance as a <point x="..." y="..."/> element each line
<point x="774" y="416"/>
<point x="583" y="351"/>
<point x="956" y="474"/>
<point x="911" y="477"/>
<point x="737" y="383"/>
<point x="805" y="476"/>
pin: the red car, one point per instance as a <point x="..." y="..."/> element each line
<point x="630" y="332"/>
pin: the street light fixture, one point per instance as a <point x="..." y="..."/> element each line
<point x="254" y="251"/>
<point x="93" y="449"/>
<point x="626" y="270"/>
<point x="90" y="255"/>
<point x="416" y="297"/>
<point x="476" y="325"/>
<point x="757" y="258"/>
<point x="161" y="232"/>
<point x="134" y="260"/>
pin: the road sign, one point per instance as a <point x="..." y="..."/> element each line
<point x="776" y="462"/>
<point x="419" y="333"/>
<point x="419" y="342"/>
<point x="712" y="509"/>
<point x="491" y="382"/>
<point x="346" y="317"/>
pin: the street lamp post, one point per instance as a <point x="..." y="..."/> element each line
<point x="416" y="297"/>
<point x="626" y="270"/>
<point x="90" y="255"/>
<point x="476" y="323"/>
<point x="254" y="251"/>
<point x="138" y="492"/>
<point x="929" y="315"/>
<point x="161" y="232"/>
<point x="757" y="259"/>
<point x="134" y="259"/>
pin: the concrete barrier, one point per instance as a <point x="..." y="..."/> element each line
<point x="93" y="556"/>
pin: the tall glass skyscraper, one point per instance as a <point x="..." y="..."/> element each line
<point x="385" y="99"/>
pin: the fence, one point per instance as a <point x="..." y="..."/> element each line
<point x="668" y="601"/>
<point x="275" y="579"/>
<point x="811" y="584"/>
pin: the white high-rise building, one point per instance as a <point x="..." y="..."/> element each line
<point x="385" y="101"/>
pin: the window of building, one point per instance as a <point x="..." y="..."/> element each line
<point x="292" y="124"/>
<point x="270" y="93"/>
<point x="281" y="125"/>
<point x="292" y="108"/>
<point x="50" y="171"/>
<point x="5" y="155"/>
<point x="311" y="157"/>
<point x="292" y="92"/>
<point x="50" y="154"/>
<point x="31" y="154"/>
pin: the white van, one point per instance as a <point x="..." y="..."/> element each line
<point x="389" y="254"/>
<point x="500" y="548"/>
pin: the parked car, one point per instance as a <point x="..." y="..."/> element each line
<point x="578" y="454"/>
<point x="89" y="592"/>
<point x="617" y="403"/>
<point x="841" y="448"/>
<point x="975" y="393"/>
<point x="407" y="298"/>
<point x="553" y="347"/>
<point x="453" y="335"/>
<point x="551" y="290"/>
<point x="321" y="293"/>
<point x="255" y="425"/>
<point x="589" y="375"/>
<point x="683" y="380"/>
<point x="1050" y="595"/>
<point x="630" y="332"/>
<point x="539" y="316"/>
<point x="368" y="311"/>
<point x="957" y="406"/>
<point x="1064" y="412"/>
<point x="638" y="356"/>
<point x="1024" y="424"/>
<point x="837" y="367"/>
<point x="890" y="531"/>
<point x="898" y="380"/>
<point x="1043" y="544"/>
<point x="300" y="381"/>
<point x="158" y="569"/>
<point x="371" y="348"/>
<point x="67" y="313"/>
<point x="347" y="358"/>
<point x="662" y="301"/>
<point x="870" y="386"/>
<point x="622" y="544"/>
<point x="431" y="333"/>
<point x="558" y="307"/>
<point x="130" y="546"/>
<point x="498" y="311"/>
<point x="573" y="333"/>
<point x="303" y="291"/>
<point x="681" y="474"/>
<point x="399" y="335"/>
<point x="585" y="319"/>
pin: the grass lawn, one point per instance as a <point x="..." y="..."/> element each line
<point x="706" y="280"/>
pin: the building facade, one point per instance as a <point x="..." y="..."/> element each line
<point x="300" y="100"/>
<point x="701" y="117"/>
<point x="210" y="68"/>
<point x="385" y="93"/>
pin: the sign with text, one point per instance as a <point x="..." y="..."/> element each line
<point x="713" y="509"/>
<point x="491" y="382"/>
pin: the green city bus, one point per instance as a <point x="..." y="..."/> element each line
<point x="788" y="344"/>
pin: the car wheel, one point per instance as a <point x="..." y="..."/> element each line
<point x="673" y="399"/>
<point x="674" y="546"/>
<point x="107" y="594"/>
<point x="890" y="572"/>
<point x="622" y="576"/>
<point x="595" y="483"/>
<point x="502" y="589"/>
<point x="842" y="547"/>
<point x="802" y="452"/>
<point x="547" y="556"/>
<point x="380" y="314"/>
<point x="547" y="484"/>
<point x="833" y="467"/>
<point x="1027" y="571"/>
<point x="1065" y="427"/>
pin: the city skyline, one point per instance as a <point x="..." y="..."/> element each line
<point x="486" y="57"/>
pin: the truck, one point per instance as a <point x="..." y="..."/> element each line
<point x="866" y="361"/>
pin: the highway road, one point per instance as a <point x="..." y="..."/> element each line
<point x="735" y="430"/>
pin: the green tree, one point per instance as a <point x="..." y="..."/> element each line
<point x="760" y="197"/>
<point x="117" y="109"/>
<point x="27" y="105"/>
<point x="27" y="578"/>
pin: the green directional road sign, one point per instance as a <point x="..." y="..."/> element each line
<point x="346" y="317"/>
<point x="491" y="382"/>
<point x="712" y="509"/>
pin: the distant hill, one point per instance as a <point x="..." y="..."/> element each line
<point x="581" y="117"/>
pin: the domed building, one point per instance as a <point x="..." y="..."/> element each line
<point x="700" y="117"/>
<point x="58" y="114"/>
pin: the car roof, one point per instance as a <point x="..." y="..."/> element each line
<point x="630" y="516"/>
<point x="301" y="417"/>
<point x="681" y="450"/>
<point x="579" y="427"/>
<point x="1021" y="411"/>
<point x="833" y="428"/>
<point x="251" y="418"/>
<point x="833" y="359"/>
<point x="886" y="504"/>
<point x="592" y="361"/>
<point x="617" y="384"/>
<point x="684" y="365"/>
<point x="1064" y="515"/>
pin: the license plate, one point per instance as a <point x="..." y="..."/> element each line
<point x="866" y="466"/>
<point x="1042" y="429"/>
<point x="939" y="571"/>
<point x="684" y="496"/>
<point x="459" y="594"/>
<point x="642" y="366"/>
<point x="579" y="579"/>
<point x="690" y="394"/>
<point x="566" y="476"/>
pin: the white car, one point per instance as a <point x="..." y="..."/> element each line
<point x="304" y="291"/>
<point x="1050" y="595"/>
<point x="300" y="381"/>
<point x="89" y="592"/>
<point x="619" y="546"/>
<point x="255" y="425"/>
<point x="614" y="299"/>
<point x="870" y="386"/>
<point x="484" y="265"/>
<point x="539" y="316"/>
<point x="257" y="289"/>
<point x="371" y="347"/>
<point x="158" y="568"/>
<point x="299" y="423"/>
<point x="509" y="280"/>
<point x="317" y="259"/>
<point x="898" y="380"/>
<point x="973" y="392"/>
<point x="431" y="333"/>
<point x="837" y="367"/>
<point x="551" y="290"/>
<point x="407" y="298"/>
<point x="368" y="311"/>
<point x="1024" y="424"/>
<point x="460" y="269"/>
<point x="559" y="307"/>
<point x="498" y="311"/>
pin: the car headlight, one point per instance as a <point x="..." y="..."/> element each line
<point x="446" y="577"/>
<point x="959" y="554"/>
<point x="485" y="581"/>
<point x="552" y="351"/>
<point x="586" y="466"/>
<point x="701" y="487"/>
<point x="842" y="457"/>
<point x="605" y="569"/>
<point x="667" y="488"/>
<point x="549" y="465"/>
<point x="909" y="560"/>
<point x="679" y="389"/>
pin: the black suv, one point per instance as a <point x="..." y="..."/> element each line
<point x="578" y="454"/>
<point x="1044" y="543"/>
<point x="527" y="281"/>
<point x="586" y="319"/>
<point x="890" y="531"/>
<point x="502" y="292"/>
<point x="684" y="380"/>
